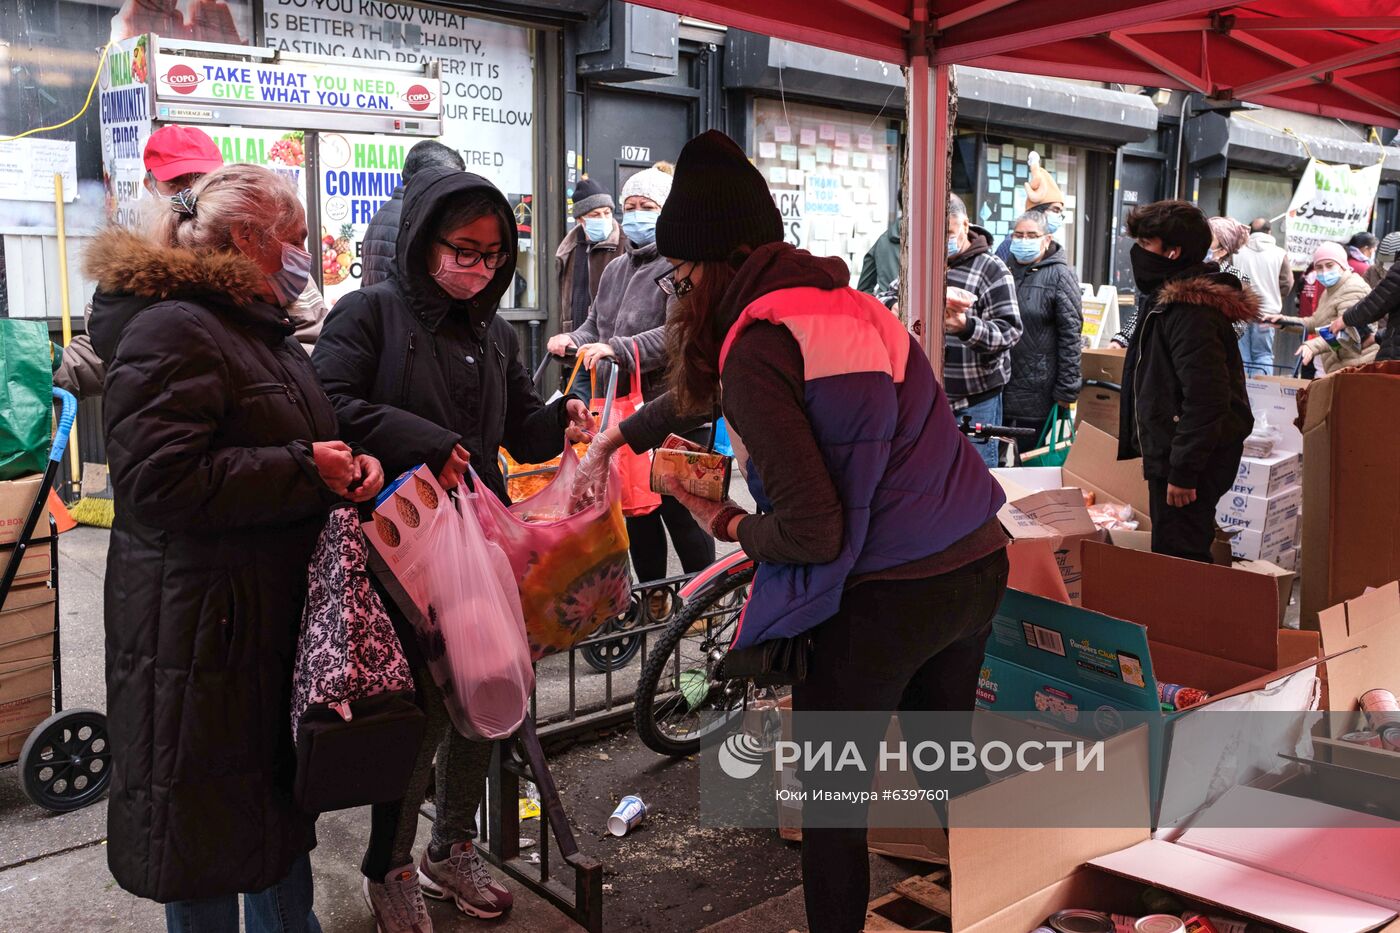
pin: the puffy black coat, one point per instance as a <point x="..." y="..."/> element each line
<point x="1045" y="361"/>
<point x="1184" y="400"/>
<point x="377" y="248"/>
<point x="1383" y="302"/>
<point x="412" y="372"/>
<point x="210" y="412"/>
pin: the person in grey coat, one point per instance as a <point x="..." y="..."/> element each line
<point x="382" y="234"/>
<point x="1045" y="368"/>
<point x="631" y="310"/>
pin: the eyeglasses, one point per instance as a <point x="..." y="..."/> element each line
<point x="467" y="258"/>
<point x="1026" y="236"/>
<point x="673" y="287"/>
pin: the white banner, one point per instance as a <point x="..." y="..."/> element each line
<point x="1332" y="203"/>
<point x="488" y="82"/>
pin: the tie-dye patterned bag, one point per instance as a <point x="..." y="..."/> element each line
<point x="571" y="565"/>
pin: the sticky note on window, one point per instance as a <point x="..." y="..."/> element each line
<point x="827" y="131"/>
<point x="808" y="137"/>
<point x="789" y="153"/>
<point x="841" y="157"/>
<point x="777" y="175"/>
<point x="782" y="134"/>
<point x="807" y="162"/>
<point x="824" y="154"/>
<point x="843" y="139"/>
<point x="860" y="159"/>
<point x="865" y="141"/>
<point x="795" y="176"/>
<point x="879" y="161"/>
<point x="767" y="150"/>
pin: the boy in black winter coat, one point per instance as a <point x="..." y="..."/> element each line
<point x="1185" y="410"/>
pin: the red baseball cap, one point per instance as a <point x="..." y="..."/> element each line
<point x="173" y="151"/>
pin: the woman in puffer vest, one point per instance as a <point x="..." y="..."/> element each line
<point x="877" y="537"/>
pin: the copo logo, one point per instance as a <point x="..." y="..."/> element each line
<point x="418" y="97"/>
<point x="182" y="79"/>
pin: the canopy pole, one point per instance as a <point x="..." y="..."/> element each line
<point x="926" y="201"/>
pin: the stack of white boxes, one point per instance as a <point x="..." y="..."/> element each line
<point x="1264" y="508"/>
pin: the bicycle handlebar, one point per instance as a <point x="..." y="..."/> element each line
<point x="987" y="431"/>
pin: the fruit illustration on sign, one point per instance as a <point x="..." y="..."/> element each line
<point x="336" y="256"/>
<point x="139" y="66"/>
<point x="289" y="150"/>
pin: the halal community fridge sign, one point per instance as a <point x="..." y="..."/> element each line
<point x="295" y="85"/>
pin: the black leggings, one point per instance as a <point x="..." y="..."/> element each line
<point x="694" y="547"/>
<point x="913" y="645"/>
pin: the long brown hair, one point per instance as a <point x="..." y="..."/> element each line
<point x="694" y="335"/>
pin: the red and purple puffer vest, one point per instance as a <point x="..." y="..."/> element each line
<point x="911" y="484"/>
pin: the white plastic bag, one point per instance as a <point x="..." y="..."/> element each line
<point x="470" y="624"/>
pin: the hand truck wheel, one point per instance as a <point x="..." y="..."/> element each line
<point x="66" y="761"/>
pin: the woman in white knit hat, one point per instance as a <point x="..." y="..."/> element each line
<point x="627" y="323"/>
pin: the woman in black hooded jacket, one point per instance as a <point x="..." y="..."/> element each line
<point x="421" y="370"/>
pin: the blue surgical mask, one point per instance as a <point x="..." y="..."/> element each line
<point x="1026" y="251"/>
<point x="290" y="281"/>
<point x="952" y="246"/>
<point x="640" y="226"/>
<point x="597" y="228"/>
<point x="1330" y="277"/>
<point x="1053" y="222"/>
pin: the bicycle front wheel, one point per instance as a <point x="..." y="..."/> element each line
<point x="681" y="703"/>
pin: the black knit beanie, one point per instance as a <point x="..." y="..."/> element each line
<point x="589" y="196"/>
<point x="719" y="202"/>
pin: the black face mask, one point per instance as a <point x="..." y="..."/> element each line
<point x="1150" y="270"/>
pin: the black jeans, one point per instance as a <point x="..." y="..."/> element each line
<point x="694" y="546"/>
<point x="1188" y="532"/>
<point x="914" y="645"/>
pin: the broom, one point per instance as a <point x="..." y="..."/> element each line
<point x="95" y="508"/>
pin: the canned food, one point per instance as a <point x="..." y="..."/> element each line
<point x="1364" y="737"/>
<point x="1198" y="923"/>
<point x="1122" y="923"/>
<point x="1159" y="923"/>
<point x="1080" y="921"/>
<point x="1175" y="696"/>
<point x="1383" y="713"/>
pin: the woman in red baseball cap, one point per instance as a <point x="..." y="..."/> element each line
<point x="176" y="156"/>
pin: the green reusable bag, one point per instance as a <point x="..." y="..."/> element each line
<point x="1055" y="439"/>
<point x="26" y="397"/>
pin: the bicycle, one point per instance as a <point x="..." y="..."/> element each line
<point x="679" y="714"/>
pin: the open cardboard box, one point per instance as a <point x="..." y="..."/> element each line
<point x="1099" y="407"/>
<point x="1011" y="880"/>
<point x="1370" y="623"/>
<point x="1350" y="495"/>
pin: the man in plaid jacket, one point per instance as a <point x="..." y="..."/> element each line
<point x="978" y="339"/>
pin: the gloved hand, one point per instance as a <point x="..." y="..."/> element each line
<point x="714" y="517"/>
<point x="593" y="469"/>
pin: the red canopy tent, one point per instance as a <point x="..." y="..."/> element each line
<point x="1327" y="57"/>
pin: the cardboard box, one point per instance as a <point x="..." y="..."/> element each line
<point x="26" y="635"/>
<point x="1271" y="546"/>
<point x="1351" y="499"/>
<point x="17" y="720"/>
<point x="1062" y="514"/>
<point x="16" y="499"/>
<point x="1259" y="513"/>
<point x="1097" y="406"/>
<point x="1268" y="476"/>
<point x="1371" y="625"/>
<point x="1276" y="398"/>
<point x="1283" y="576"/>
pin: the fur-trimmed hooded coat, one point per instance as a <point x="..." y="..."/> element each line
<point x="1184" y="402"/>
<point x="210" y="412"/>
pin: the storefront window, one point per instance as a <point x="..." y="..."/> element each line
<point x="1003" y="186"/>
<point x="1252" y="194"/>
<point x="831" y="173"/>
